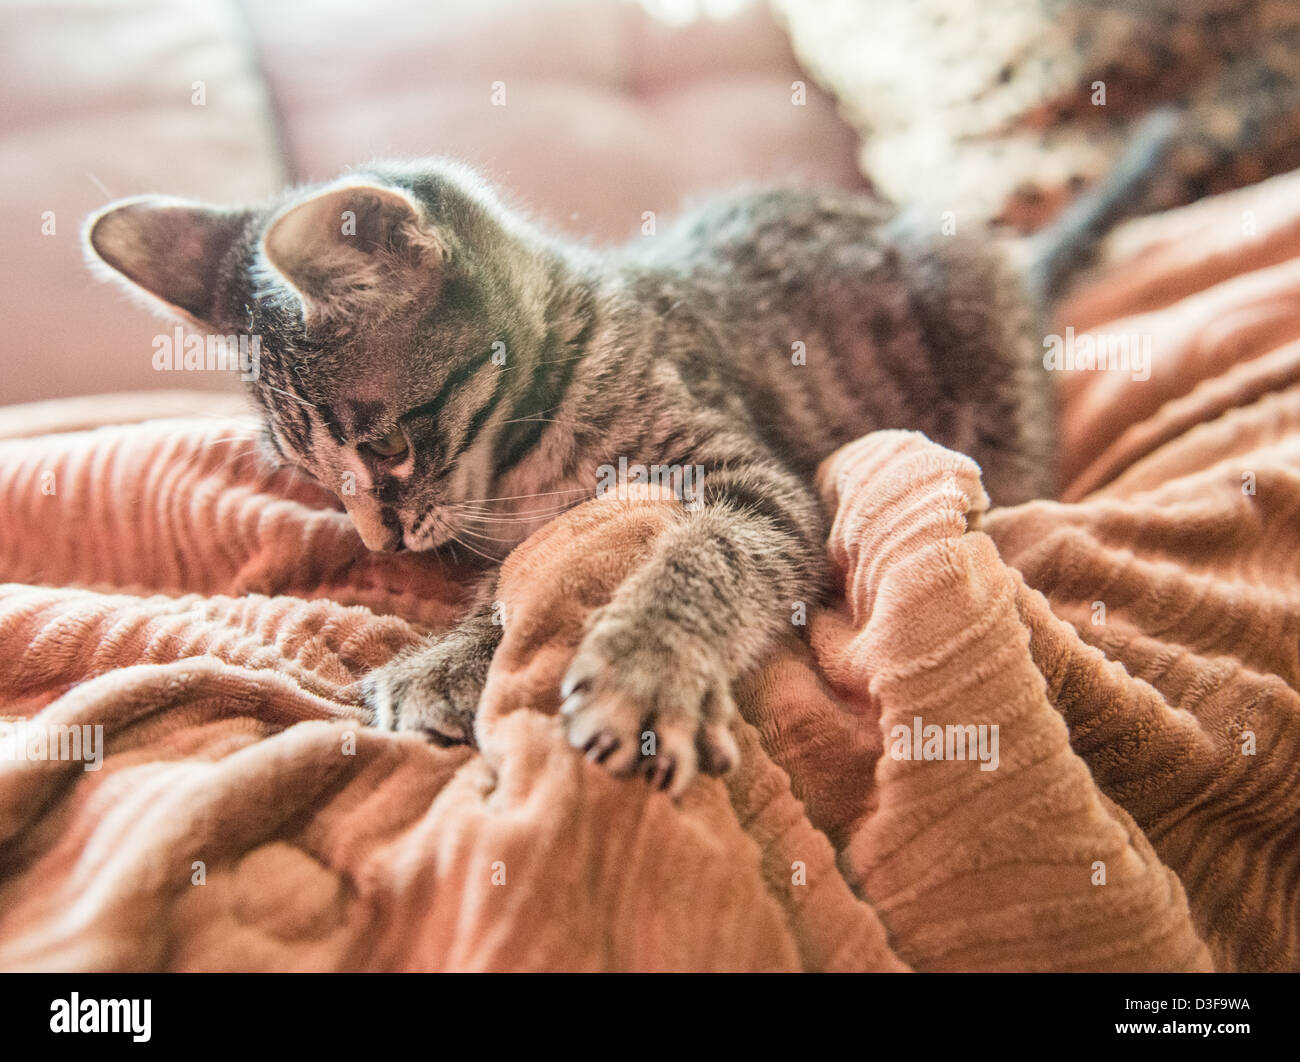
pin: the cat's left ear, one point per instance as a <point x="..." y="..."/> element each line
<point x="350" y="243"/>
<point x="168" y="249"/>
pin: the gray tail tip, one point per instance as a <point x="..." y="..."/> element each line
<point x="1069" y="244"/>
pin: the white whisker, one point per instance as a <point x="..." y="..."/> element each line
<point x="487" y="538"/>
<point x="515" y="518"/>
<point x="461" y="541"/>
<point x="303" y="401"/>
<point x="520" y="497"/>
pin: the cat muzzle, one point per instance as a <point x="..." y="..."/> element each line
<point x="379" y="529"/>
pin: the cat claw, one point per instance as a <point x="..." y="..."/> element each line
<point x="631" y="714"/>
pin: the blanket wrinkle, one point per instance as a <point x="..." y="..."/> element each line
<point x="547" y="591"/>
<point x="1199" y="338"/>
<point x="1223" y="820"/>
<point x="79" y="634"/>
<point x="197" y="511"/>
<point x="1156" y="261"/>
<point x="1134" y="642"/>
<point x="1250" y="384"/>
<point x="944" y="643"/>
<point x="1183" y="698"/>
<point x="1215" y="641"/>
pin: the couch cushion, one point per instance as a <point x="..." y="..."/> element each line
<point x="99" y="104"/>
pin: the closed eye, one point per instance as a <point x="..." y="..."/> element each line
<point x="391" y="445"/>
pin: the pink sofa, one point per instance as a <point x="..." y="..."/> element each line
<point x="608" y="113"/>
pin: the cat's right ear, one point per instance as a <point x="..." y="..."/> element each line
<point x="169" y="250"/>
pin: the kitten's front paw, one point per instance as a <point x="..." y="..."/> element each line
<point x="658" y="705"/>
<point x="432" y="688"/>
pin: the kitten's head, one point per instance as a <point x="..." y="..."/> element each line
<point x="401" y="315"/>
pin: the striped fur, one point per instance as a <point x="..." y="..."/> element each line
<point x="752" y="338"/>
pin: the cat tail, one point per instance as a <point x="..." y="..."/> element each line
<point x="1069" y="244"/>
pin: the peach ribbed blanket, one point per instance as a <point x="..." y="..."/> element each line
<point x="1135" y="645"/>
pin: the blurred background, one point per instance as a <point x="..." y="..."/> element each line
<point x="610" y="109"/>
<point x="591" y="112"/>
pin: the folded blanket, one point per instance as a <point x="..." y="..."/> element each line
<point x="1133" y="644"/>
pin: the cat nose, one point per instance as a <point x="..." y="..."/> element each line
<point x="381" y="539"/>
<point x="390" y="542"/>
<point x="368" y="517"/>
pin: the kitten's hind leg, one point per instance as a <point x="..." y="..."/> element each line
<point x="434" y="688"/>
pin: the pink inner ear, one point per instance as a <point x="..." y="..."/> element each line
<point x="168" y="249"/>
<point x="345" y="243"/>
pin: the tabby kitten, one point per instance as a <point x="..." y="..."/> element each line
<point x="468" y="376"/>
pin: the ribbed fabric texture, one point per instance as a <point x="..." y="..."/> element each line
<point x="1135" y="645"/>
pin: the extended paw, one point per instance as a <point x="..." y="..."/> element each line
<point x="433" y="689"/>
<point x="636" y="702"/>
